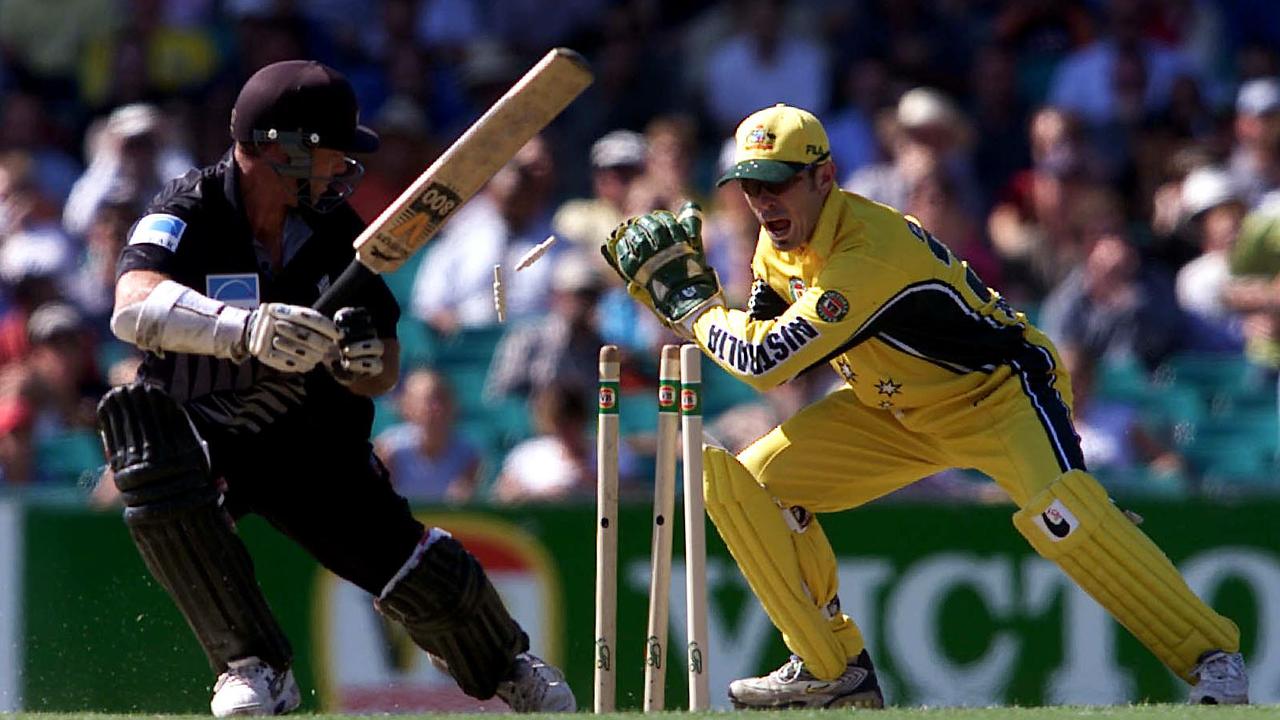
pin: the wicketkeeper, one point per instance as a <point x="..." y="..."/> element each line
<point x="248" y="401"/>
<point x="940" y="372"/>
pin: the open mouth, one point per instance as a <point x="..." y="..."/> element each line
<point x="778" y="227"/>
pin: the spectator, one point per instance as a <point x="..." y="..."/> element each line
<point x="1095" y="81"/>
<point x="92" y="285"/>
<point x="560" y="348"/>
<point x="17" y="447"/>
<point x="1029" y="226"/>
<point x="131" y="152"/>
<point x="1214" y="210"/>
<point x="1000" y="119"/>
<point x="729" y="234"/>
<point x="1254" y="289"/>
<point x="671" y="150"/>
<point x="449" y="25"/>
<point x="851" y="129"/>
<point x="1255" y="160"/>
<point x="454" y="285"/>
<point x="148" y="57"/>
<point x="928" y="130"/>
<point x="933" y="200"/>
<point x="617" y="161"/>
<point x="406" y="150"/>
<point x="27" y="128"/>
<point x="1113" y="306"/>
<point x="33" y="269"/>
<point x="43" y="41"/>
<point x="1116" y="443"/>
<point x="760" y="66"/>
<point x="557" y="464"/>
<point x="24" y="204"/>
<point x="1041" y="34"/>
<point x="64" y="376"/>
<point x="428" y="460"/>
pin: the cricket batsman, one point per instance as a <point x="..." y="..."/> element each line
<point x="940" y="372"/>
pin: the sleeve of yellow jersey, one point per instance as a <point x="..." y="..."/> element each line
<point x="821" y="324"/>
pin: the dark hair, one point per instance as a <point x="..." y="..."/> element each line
<point x="558" y="404"/>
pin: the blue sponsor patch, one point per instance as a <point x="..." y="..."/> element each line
<point x="159" y="229"/>
<point x="235" y="289"/>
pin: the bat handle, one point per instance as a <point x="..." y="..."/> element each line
<point x="340" y="291"/>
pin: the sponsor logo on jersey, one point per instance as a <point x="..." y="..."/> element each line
<point x="235" y="289"/>
<point x="757" y="359"/>
<point x="797" y="288"/>
<point x="832" y="307"/>
<point x="1057" y="521"/>
<point x="759" y="139"/>
<point x="160" y="229"/>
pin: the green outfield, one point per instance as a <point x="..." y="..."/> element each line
<point x="1131" y="712"/>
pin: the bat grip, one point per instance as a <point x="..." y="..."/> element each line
<point x="340" y="291"/>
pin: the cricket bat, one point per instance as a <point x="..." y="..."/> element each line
<point x="416" y="216"/>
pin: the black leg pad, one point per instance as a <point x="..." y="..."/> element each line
<point x="185" y="538"/>
<point x="452" y="611"/>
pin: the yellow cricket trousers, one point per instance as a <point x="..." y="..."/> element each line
<point x="838" y="453"/>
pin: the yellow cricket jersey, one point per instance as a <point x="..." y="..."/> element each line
<point x="901" y="319"/>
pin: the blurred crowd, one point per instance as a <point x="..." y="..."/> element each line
<point x="1112" y="167"/>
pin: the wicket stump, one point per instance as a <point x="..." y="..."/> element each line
<point x="679" y="416"/>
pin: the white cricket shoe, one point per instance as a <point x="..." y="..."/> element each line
<point x="793" y="686"/>
<point x="1221" y="680"/>
<point x="535" y="686"/>
<point x="252" y="687"/>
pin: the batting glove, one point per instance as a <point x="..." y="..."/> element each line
<point x="359" y="349"/>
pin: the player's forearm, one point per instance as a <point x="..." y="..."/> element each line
<point x="760" y="353"/>
<point x="157" y="314"/>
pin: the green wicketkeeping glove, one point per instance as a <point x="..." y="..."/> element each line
<point x="662" y="262"/>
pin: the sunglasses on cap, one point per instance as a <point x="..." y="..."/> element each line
<point x="754" y="188"/>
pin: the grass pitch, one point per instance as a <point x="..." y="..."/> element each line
<point x="1130" y="712"/>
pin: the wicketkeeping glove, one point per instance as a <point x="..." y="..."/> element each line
<point x="661" y="259"/>
<point x="359" y="349"/>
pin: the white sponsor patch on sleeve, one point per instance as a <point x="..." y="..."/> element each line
<point x="1057" y="521"/>
<point x="159" y="229"/>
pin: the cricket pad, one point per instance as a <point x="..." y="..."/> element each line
<point x="445" y="601"/>
<point x="184" y="536"/>
<point x="792" y="573"/>
<point x="1075" y="524"/>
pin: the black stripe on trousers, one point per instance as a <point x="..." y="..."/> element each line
<point x="1054" y="415"/>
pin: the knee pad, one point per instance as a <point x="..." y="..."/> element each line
<point x="445" y="601"/>
<point x="183" y="535"/>
<point x="154" y="452"/>
<point x="761" y="541"/>
<point x="1075" y="524"/>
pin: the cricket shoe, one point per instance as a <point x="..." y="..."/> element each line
<point x="793" y="686"/>
<point x="535" y="686"/>
<point x="1221" y="680"/>
<point x="252" y="687"/>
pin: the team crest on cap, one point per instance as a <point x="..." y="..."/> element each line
<point x="759" y="139"/>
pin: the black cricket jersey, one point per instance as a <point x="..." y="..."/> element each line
<point x="196" y="232"/>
